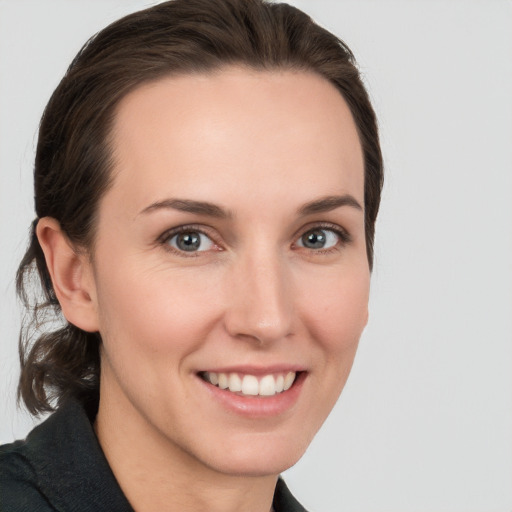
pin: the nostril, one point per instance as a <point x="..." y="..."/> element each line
<point x="259" y="305"/>
<point x="261" y="332"/>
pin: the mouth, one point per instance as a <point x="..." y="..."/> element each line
<point x="245" y="384"/>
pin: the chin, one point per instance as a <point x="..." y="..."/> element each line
<point x="259" y="457"/>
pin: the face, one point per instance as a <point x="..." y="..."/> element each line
<point x="230" y="270"/>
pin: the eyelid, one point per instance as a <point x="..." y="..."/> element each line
<point x="167" y="235"/>
<point x="342" y="233"/>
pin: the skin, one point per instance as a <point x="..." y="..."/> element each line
<point x="260" y="145"/>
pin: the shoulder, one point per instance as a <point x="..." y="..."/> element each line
<point x="19" y="489"/>
<point x="60" y="466"/>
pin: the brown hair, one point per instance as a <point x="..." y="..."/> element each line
<point x="72" y="165"/>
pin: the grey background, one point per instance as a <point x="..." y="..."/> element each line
<point x="425" y="421"/>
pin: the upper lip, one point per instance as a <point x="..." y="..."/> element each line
<point x="256" y="370"/>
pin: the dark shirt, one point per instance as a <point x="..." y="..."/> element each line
<point x="61" y="467"/>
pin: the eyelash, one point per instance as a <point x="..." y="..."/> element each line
<point x="166" y="237"/>
<point x="343" y="236"/>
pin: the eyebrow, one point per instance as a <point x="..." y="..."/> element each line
<point x="328" y="203"/>
<point x="322" y="205"/>
<point x="189" y="206"/>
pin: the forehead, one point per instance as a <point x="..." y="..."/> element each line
<point x="236" y="132"/>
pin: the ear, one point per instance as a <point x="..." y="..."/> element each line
<point x="71" y="274"/>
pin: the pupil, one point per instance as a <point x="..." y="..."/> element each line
<point x="314" y="239"/>
<point x="188" y="241"/>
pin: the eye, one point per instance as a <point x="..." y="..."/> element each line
<point x="190" y="241"/>
<point x="319" y="238"/>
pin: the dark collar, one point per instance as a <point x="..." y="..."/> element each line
<point x="70" y="465"/>
<point x="73" y="472"/>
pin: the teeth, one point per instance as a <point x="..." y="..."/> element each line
<point x="223" y="381"/>
<point x="279" y="384"/>
<point x="267" y="386"/>
<point x="235" y="382"/>
<point x="249" y="385"/>
<point x="288" y="380"/>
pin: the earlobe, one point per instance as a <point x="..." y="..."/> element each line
<point x="71" y="275"/>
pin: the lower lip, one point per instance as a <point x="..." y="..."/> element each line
<point x="257" y="406"/>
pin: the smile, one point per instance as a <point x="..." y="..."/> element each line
<point x="250" y="385"/>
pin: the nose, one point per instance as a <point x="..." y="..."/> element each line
<point x="260" y="302"/>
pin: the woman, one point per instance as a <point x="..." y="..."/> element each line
<point x="207" y="180"/>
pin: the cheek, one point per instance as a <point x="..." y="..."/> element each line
<point x="334" y="312"/>
<point x="337" y="312"/>
<point x="153" y="311"/>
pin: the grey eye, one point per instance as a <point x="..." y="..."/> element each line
<point x="318" y="239"/>
<point x="191" y="241"/>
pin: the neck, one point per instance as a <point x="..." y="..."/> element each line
<point x="156" y="474"/>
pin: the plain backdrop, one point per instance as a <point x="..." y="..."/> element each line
<point x="425" y="421"/>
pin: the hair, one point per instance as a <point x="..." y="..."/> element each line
<point x="73" y="164"/>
